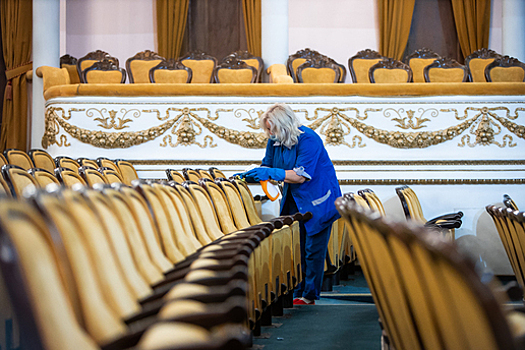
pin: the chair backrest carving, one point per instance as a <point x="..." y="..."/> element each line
<point x="445" y="70"/>
<point x="233" y="71"/>
<point x="251" y="60"/>
<point x="138" y="66"/>
<point x="477" y="61"/>
<point x="418" y="60"/>
<point x="390" y="70"/>
<point x="301" y="56"/>
<point x="170" y="71"/>
<point x="201" y="64"/>
<point x="104" y="72"/>
<point x="92" y="57"/>
<point x="318" y="70"/>
<point x="70" y="63"/>
<point x="359" y="65"/>
<point x="505" y="69"/>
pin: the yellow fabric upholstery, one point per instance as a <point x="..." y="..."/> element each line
<point x="296" y="63"/>
<point x="53" y="76"/>
<point x="252" y="63"/>
<point x="283" y="79"/>
<point x="361" y="67"/>
<point x="73" y="73"/>
<point x="445" y="75"/>
<point x="202" y="70"/>
<point x="234" y="76"/>
<point x="477" y="68"/>
<point x="418" y="65"/>
<point x="86" y="64"/>
<point x="318" y="75"/>
<point x="166" y="76"/>
<point x="140" y="70"/>
<point x="507" y="74"/>
<point x="386" y="76"/>
<point x="104" y="77"/>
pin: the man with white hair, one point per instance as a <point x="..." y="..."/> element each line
<point x="295" y="154"/>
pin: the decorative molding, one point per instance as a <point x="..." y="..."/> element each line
<point x="432" y="182"/>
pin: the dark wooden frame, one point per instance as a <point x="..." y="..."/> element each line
<point x="367" y="54"/>
<point x="504" y="61"/>
<point x="170" y="64"/>
<point x="445" y="63"/>
<point x="234" y="63"/>
<point x="199" y="55"/>
<point x="317" y="63"/>
<point x="309" y="54"/>
<point x="481" y="53"/>
<point x="69" y="60"/>
<point x="98" y="55"/>
<point x="146" y="55"/>
<point x="389" y="63"/>
<point x="421" y="53"/>
<point x="246" y="55"/>
<point x="106" y="66"/>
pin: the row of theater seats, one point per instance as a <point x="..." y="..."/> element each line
<point x="149" y="67"/>
<point x="38" y="168"/>
<point x="424" y="65"/>
<point x="159" y="264"/>
<point x="428" y="294"/>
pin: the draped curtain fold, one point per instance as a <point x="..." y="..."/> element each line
<point x="171" y="22"/>
<point x="395" y="18"/>
<point x="472" y="18"/>
<point x="252" y="24"/>
<point x="16" y="17"/>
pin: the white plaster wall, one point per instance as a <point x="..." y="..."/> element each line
<point x="336" y="28"/>
<point x="496" y="33"/>
<point x="119" y="27"/>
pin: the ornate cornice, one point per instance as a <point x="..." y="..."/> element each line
<point x="409" y="182"/>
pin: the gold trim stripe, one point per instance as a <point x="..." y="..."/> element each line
<point x="432" y="182"/>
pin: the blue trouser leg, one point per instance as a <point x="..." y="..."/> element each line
<point x="313" y="255"/>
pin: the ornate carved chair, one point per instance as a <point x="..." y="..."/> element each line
<point x="418" y="60"/>
<point x="92" y="57"/>
<point x="318" y="70"/>
<point x="505" y="69"/>
<point x="104" y="72"/>
<point x="201" y="64"/>
<point x="445" y="70"/>
<point x="301" y="56"/>
<point x="170" y="72"/>
<point x="359" y="65"/>
<point x="477" y="61"/>
<point x="138" y="66"/>
<point x="251" y="60"/>
<point x="70" y="63"/>
<point x="390" y="70"/>
<point x="233" y="71"/>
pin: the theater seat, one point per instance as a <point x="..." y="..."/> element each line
<point x="138" y="66"/>
<point x="104" y="72"/>
<point x="89" y="59"/>
<point x="505" y="69"/>
<point x="251" y="60"/>
<point x="477" y="61"/>
<point x="17" y="179"/>
<point x="170" y="72"/>
<point x="70" y="64"/>
<point x="318" y="70"/>
<point x="43" y="177"/>
<point x="359" y="65"/>
<point x="18" y="157"/>
<point x="418" y="60"/>
<point x="41" y="159"/>
<point x="201" y="65"/>
<point x="234" y="71"/>
<point x="445" y="70"/>
<point x="390" y="71"/>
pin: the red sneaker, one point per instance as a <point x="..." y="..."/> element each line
<point x="299" y="301"/>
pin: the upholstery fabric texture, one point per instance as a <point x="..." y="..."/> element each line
<point x="318" y="75"/>
<point x="165" y="76"/>
<point x="445" y="75"/>
<point x="507" y="74"/>
<point x="202" y="70"/>
<point x="418" y="65"/>
<point x="477" y="68"/>
<point x="233" y="76"/>
<point x="361" y="67"/>
<point x="140" y="70"/>
<point x="385" y="76"/>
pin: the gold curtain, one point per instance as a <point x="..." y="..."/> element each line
<point x="17" y="25"/>
<point x="472" y="19"/>
<point x="395" y="18"/>
<point x="252" y="24"/>
<point x="171" y="22"/>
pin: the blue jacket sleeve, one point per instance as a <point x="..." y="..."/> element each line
<point x="309" y="149"/>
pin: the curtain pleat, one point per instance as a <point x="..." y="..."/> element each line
<point x="472" y="18"/>
<point x="252" y="24"/>
<point x="395" y="19"/>
<point x="171" y="22"/>
<point x="16" y="17"/>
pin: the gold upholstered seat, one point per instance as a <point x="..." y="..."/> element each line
<point x="89" y="59"/>
<point x="505" y="69"/>
<point x="18" y="157"/>
<point x="445" y="70"/>
<point x="41" y="159"/>
<point x="418" y="60"/>
<point x="70" y="64"/>
<point x="138" y="66"/>
<point x="301" y="56"/>
<point x="233" y="70"/>
<point x="251" y="60"/>
<point x="17" y="179"/>
<point x="170" y="72"/>
<point x="359" y="65"/>
<point x="104" y="72"/>
<point x="390" y="71"/>
<point x="477" y="61"/>
<point x="201" y="64"/>
<point x="318" y="70"/>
